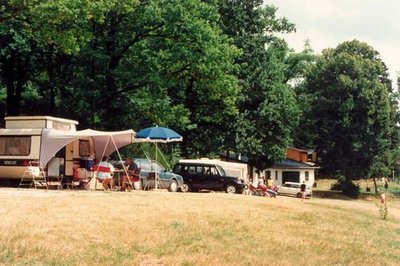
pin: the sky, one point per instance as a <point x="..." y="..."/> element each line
<point x="326" y="23"/>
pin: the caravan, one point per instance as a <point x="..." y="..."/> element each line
<point x="55" y="144"/>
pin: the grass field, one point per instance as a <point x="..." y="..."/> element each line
<point x="160" y="228"/>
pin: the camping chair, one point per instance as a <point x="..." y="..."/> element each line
<point x="79" y="181"/>
<point x="105" y="173"/>
<point x="34" y="176"/>
<point x="150" y="181"/>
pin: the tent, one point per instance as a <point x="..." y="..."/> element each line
<point x="54" y="140"/>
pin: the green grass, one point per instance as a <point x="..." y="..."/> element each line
<point x="159" y="228"/>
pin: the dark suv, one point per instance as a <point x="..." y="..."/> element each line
<point x="197" y="176"/>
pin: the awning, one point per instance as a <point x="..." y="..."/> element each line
<point x="104" y="142"/>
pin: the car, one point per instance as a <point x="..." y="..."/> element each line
<point x="210" y="176"/>
<point x="293" y="188"/>
<point x="148" y="169"/>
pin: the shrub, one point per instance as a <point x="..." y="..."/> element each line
<point x="346" y="186"/>
<point x="350" y="189"/>
<point x="339" y="183"/>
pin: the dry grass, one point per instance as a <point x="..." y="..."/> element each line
<point x="161" y="228"/>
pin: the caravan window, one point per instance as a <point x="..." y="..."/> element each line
<point x="84" y="148"/>
<point x="10" y="145"/>
<point x="61" y="126"/>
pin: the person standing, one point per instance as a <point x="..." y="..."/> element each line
<point x="270" y="183"/>
<point x="303" y="190"/>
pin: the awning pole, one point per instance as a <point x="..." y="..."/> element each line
<point x="102" y="155"/>
<point x="122" y="163"/>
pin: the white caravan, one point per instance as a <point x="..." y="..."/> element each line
<point x="54" y="143"/>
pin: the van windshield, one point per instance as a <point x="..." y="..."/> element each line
<point x="221" y="170"/>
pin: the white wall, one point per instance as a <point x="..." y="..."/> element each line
<point x="276" y="175"/>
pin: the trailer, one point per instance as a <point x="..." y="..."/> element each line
<point x="54" y="144"/>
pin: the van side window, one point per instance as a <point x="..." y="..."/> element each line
<point x="10" y="145"/>
<point x="192" y="169"/>
<point x="213" y="170"/>
<point x="177" y="169"/>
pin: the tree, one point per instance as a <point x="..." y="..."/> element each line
<point x="112" y="63"/>
<point x="161" y="62"/>
<point x="32" y="32"/>
<point x="267" y="104"/>
<point x="351" y="113"/>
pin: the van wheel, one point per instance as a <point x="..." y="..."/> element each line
<point x="230" y="189"/>
<point x="173" y="187"/>
<point x="299" y="195"/>
<point x="186" y="188"/>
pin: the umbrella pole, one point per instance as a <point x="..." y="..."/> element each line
<point x="102" y="155"/>
<point x="156" y="177"/>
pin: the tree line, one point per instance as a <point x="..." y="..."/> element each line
<point x="216" y="71"/>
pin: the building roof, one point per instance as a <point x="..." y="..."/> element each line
<point x="291" y="164"/>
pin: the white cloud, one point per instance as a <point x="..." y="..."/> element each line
<point x="326" y="23"/>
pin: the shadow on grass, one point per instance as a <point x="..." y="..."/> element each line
<point x="330" y="194"/>
<point x="337" y="194"/>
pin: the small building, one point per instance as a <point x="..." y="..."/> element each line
<point x="290" y="170"/>
<point x="298" y="166"/>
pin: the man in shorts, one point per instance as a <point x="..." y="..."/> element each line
<point x="133" y="173"/>
<point x="303" y="190"/>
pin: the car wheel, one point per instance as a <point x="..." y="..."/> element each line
<point x="186" y="188"/>
<point x="299" y="195"/>
<point x="231" y="189"/>
<point x="173" y="186"/>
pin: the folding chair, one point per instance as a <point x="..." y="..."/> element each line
<point x="103" y="173"/>
<point x="150" y="181"/>
<point x="78" y="181"/>
<point x="33" y="176"/>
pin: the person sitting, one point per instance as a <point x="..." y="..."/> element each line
<point x="133" y="172"/>
<point x="104" y="173"/>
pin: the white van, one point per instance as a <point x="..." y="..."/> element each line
<point x="293" y="188"/>
<point x="20" y="144"/>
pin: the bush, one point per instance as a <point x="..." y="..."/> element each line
<point x="339" y="183"/>
<point x="350" y="189"/>
<point x="347" y="187"/>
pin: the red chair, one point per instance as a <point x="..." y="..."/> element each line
<point x="79" y="181"/>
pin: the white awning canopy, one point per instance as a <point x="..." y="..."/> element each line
<point x="104" y="142"/>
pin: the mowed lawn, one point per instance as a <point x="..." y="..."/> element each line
<point x="161" y="228"/>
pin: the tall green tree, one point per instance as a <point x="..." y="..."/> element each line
<point x="130" y="63"/>
<point x="351" y="113"/>
<point x="156" y="62"/>
<point x="32" y="32"/>
<point x="268" y="111"/>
